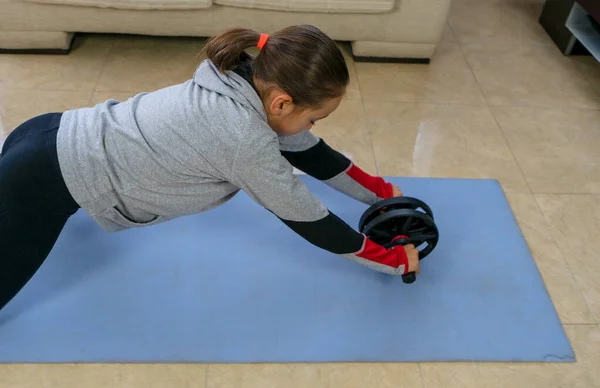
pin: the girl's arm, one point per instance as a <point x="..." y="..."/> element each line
<point x="267" y="177"/>
<point x="316" y="158"/>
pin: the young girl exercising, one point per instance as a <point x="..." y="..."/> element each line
<point x="240" y="123"/>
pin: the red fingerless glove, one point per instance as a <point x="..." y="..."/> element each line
<point x="375" y="184"/>
<point x="393" y="257"/>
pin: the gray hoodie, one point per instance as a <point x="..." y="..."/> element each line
<point x="191" y="147"/>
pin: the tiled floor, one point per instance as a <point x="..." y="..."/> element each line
<point x="498" y="101"/>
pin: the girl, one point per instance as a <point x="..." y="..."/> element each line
<point x="240" y="123"/>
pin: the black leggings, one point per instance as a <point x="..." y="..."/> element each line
<point x="35" y="204"/>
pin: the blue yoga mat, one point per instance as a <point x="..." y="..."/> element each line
<point x="235" y="285"/>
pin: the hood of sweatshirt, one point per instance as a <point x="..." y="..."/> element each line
<point x="229" y="84"/>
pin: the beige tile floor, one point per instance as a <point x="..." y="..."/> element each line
<point x="498" y="101"/>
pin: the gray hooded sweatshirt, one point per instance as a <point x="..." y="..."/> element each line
<point x="190" y="147"/>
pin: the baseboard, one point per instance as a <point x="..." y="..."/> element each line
<point x="392" y="60"/>
<point x="36" y="51"/>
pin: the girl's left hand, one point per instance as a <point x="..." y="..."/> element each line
<point x="396" y="190"/>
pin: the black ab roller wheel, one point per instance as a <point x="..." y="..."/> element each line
<point x="401" y="221"/>
<point x="396" y="203"/>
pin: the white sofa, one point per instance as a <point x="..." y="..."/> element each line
<point x="402" y="30"/>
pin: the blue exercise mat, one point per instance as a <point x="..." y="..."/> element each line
<point x="235" y="285"/>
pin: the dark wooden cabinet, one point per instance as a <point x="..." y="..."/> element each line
<point x="561" y="17"/>
<point x="592" y="7"/>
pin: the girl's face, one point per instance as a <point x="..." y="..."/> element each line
<point x="286" y="119"/>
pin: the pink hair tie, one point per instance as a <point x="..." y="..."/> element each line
<point x="261" y="42"/>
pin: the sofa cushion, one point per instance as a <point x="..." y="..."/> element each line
<point x="320" y="6"/>
<point x="132" y="4"/>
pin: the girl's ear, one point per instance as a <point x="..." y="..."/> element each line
<point x="281" y="104"/>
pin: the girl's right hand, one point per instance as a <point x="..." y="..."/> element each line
<point x="413" y="258"/>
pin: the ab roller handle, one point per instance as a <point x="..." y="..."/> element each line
<point x="409" y="277"/>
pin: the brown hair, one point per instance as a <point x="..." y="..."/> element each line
<point x="301" y="60"/>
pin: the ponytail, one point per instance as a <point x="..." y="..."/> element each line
<point x="301" y="60"/>
<point x="226" y="50"/>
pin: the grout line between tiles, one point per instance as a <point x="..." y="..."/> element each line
<point x="423" y="102"/>
<point x="597" y="91"/>
<point x="512" y="152"/>
<point x="533" y="106"/>
<point x="490" y="107"/>
<point x="372" y="146"/>
<point x="549" y="44"/>
<point x="570" y="108"/>
<point x="462" y="52"/>
<point x="366" y="120"/>
<point x="454" y="38"/>
<point x="566" y="193"/>
<point x="206" y="372"/>
<point x="495" y="119"/>
<point x="10" y="88"/>
<point x="579" y="288"/>
<point x="421" y="375"/>
<point x="580" y="324"/>
<point x="104" y="64"/>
